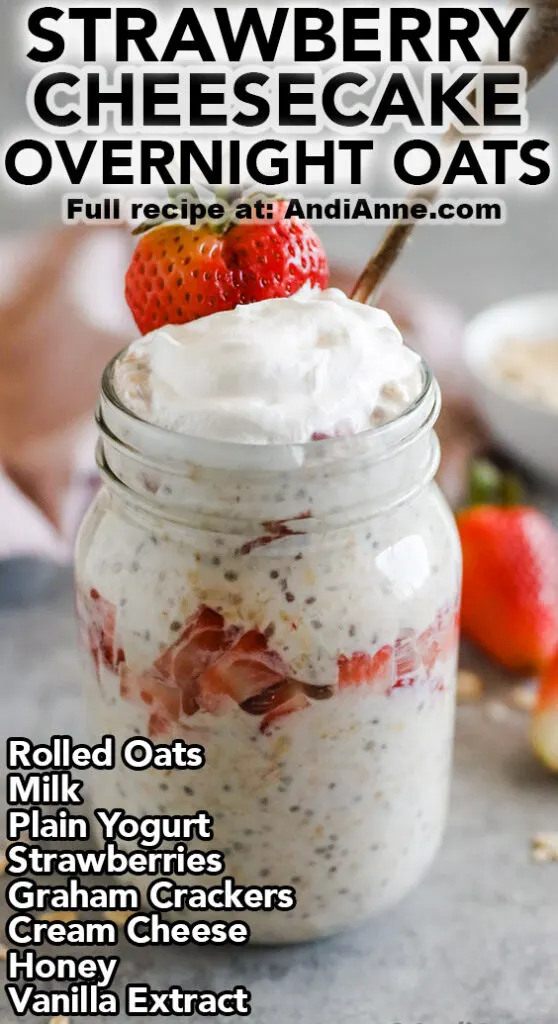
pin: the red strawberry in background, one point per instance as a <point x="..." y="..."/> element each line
<point x="510" y="584"/>
<point x="178" y="274"/>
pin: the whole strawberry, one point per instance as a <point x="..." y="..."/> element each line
<point x="510" y="584"/>
<point x="178" y="274"/>
<point x="544" y="724"/>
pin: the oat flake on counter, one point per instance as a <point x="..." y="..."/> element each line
<point x="469" y="687"/>
<point x="545" y="847"/>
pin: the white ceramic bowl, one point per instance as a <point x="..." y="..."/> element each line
<point x="525" y="429"/>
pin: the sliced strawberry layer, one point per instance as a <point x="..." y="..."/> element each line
<point x="296" y="702"/>
<point x="439" y="640"/>
<point x="160" y="726"/>
<point x="97" y="618"/>
<point x="204" y="639"/>
<point x="148" y="688"/>
<point x="411" y="659"/>
<point x="211" y="665"/>
<point x="248" y="668"/>
<point x="360" y="669"/>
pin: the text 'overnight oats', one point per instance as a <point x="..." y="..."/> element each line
<point x="270" y="572"/>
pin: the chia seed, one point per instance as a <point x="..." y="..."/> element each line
<point x="230" y="576"/>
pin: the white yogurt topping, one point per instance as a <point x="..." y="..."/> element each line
<point x="277" y="371"/>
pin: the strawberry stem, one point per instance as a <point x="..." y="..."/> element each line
<point x="489" y="485"/>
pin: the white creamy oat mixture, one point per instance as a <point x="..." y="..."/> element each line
<point x="345" y="801"/>
<point x="345" y="796"/>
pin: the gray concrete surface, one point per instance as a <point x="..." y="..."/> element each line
<point x="476" y="942"/>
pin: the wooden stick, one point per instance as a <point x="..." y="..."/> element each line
<point x="539" y="53"/>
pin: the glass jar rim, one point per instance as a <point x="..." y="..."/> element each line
<point x="122" y="423"/>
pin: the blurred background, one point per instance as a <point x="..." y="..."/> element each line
<point x="62" y="314"/>
<point x="485" y="262"/>
<point x="478" y="941"/>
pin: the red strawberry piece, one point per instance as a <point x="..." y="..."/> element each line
<point x="296" y="702"/>
<point x="161" y="726"/>
<point x="440" y="639"/>
<point x="275" y="529"/>
<point x="203" y="640"/>
<point x="283" y="699"/>
<point x="98" y="620"/>
<point x="272" y="698"/>
<point x="407" y="660"/>
<point x="246" y="669"/>
<point x="362" y="669"/>
<point x="151" y="690"/>
<point x="429" y="646"/>
<point x="406" y="653"/>
<point x="318" y="435"/>
<point x="178" y="274"/>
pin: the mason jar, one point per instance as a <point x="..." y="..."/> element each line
<point x="294" y="610"/>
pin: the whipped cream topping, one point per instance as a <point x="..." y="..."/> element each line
<point x="278" y="371"/>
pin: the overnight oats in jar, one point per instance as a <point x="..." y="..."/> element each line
<point x="270" y="571"/>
